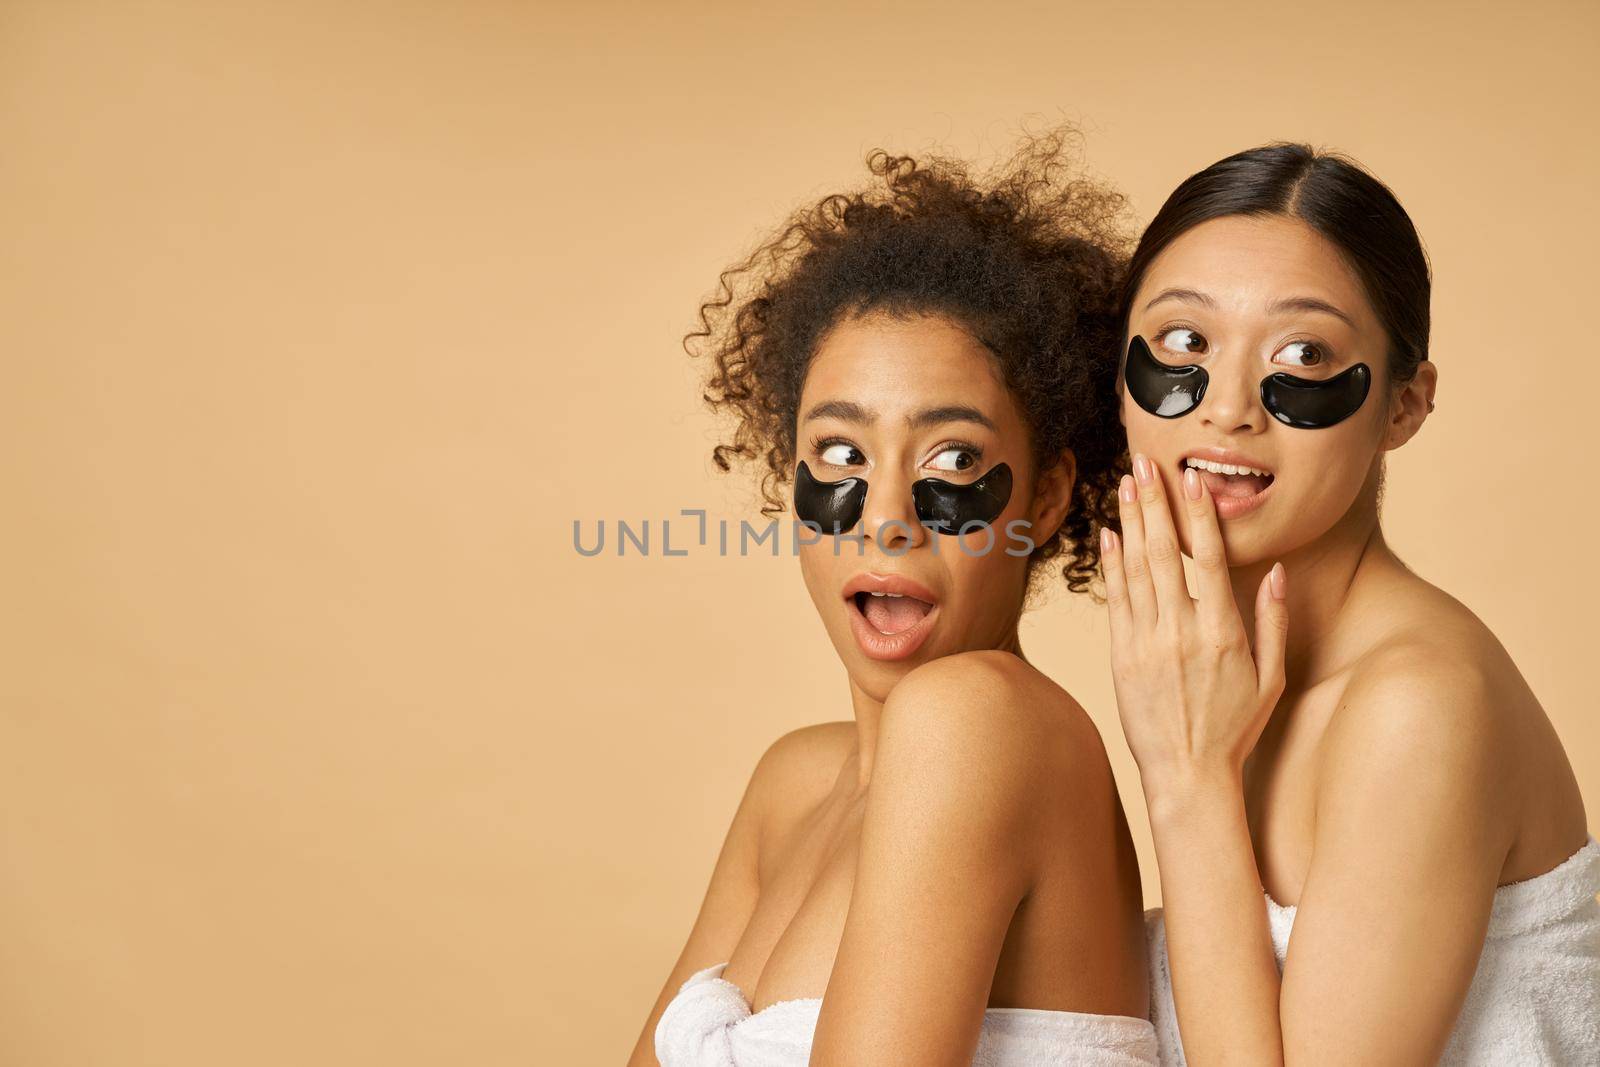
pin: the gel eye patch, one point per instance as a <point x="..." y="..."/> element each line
<point x="1306" y="404"/>
<point x="946" y="507"/>
<point x="1313" y="405"/>
<point x="834" y="506"/>
<point x="1162" y="390"/>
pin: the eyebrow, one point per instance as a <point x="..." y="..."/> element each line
<point x="843" y="410"/>
<point x="1310" y="303"/>
<point x="1291" y="303"/>
<point x="1193" y="296"/>
<point x="849" y="411"/>
<point x="949" y="413"/>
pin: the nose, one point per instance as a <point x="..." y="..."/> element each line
<point x="1232" y="404"/>
<point x="889" y="519"/>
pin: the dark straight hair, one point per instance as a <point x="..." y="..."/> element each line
<point x="1335" y="196"/>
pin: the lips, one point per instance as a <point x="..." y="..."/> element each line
<point x="1237" y="483"/>
<point x="890" y="615"/>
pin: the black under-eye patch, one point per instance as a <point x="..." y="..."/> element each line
<point x="1162" y="390"/>
<point x="946" y="507"/>
<point x="833" y="506"/>
<point x="1314" y="405"/>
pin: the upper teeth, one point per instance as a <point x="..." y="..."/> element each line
<point x="886" y="594"/>
<point x="1222" y="468"/>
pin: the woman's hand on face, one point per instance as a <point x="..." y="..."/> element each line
<point x="1192" y="695"/>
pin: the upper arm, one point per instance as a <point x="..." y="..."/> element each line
<point x="735" y="883"/>
<point x="1408" y="847"/>
<point x="942" y="867"/>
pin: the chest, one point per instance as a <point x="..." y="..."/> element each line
<point x="787" y="948"/>
<point x="1280" y="787"/>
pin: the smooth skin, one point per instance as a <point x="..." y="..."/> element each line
<point x="959" y="844"/>
<point x="1316" y="720"/>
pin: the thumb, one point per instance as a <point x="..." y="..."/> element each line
<point x="1272" y="630"/>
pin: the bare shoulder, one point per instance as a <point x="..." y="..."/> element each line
<point x="799" y="767"/>
<point x="1439" y="701"/>
<point x="999" y="692"/>
<point x="1418" y="707"/>
<point x="990" y="716"/>
<point x="1435" y="690"/>
<point x="806" y="754"/>
<point x="1436" y="673"/>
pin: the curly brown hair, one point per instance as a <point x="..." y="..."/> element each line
<point x="1030" y="258"/>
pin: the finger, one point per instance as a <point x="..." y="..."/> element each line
<point x="1161" y="540"/>
<point x="1141" y="594"/>
<point x="1116" y="586"/>
<point x="1215" y="591"/>
<point x="1272" y="631"/>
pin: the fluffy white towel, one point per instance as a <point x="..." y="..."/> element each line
<point x="709" y="1024"/>
<point x="1535" y="998"/>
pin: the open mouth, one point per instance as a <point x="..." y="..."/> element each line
<point x="890" y="615"/>
<point x="1236" y="487"/>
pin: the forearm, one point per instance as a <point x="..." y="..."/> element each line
<point x="1224" y="977"/>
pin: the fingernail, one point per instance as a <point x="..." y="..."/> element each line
<point x="1105" y="539"/>
<point x="1125" y="490"/>
<point x="1141" y="467"/>
<point x="1276" y="578"/>
<point x="1191" y="483"/>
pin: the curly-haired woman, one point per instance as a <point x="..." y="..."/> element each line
<point x="946" y="874"/>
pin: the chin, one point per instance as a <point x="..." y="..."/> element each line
<point x="1245" y="547"/>
<point x="876" y="679"/>
<point x="1249" y="558"/>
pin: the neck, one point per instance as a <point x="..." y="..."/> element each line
<point x="1321" y="576"/>
<point x="869" y="717"/>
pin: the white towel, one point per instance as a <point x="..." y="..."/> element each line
<point x="709" y="1024"/>
<point x="1535" y="998"/>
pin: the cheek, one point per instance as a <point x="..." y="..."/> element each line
<point x="1349" y="446"/>
<point x="817" y="569"/>
<point x="1330" y="465"/>
<point x="984" y="586"/>
<point x="1147" y="433"/>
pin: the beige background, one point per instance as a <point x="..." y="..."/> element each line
<point x="322" y="322"/>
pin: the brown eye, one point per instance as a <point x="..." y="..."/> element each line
<point x="1300" y="354"/>
<point x="953" y="459"/>
<point x="840" y="454"/>
<point x="1181" y="341"/>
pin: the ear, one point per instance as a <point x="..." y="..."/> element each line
<point x="1052" y="495"/>
<point x="1411" y="405"/>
